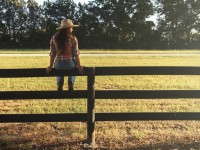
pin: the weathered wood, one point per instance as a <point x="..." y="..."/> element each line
<point x="100" y="71"/>
<point x="144" y="116"/>
<point x="101" y="94"/>
<point x="91" y="107"/>
<point x="39" y="72"/>
<point x="149" y="70"/>
<point x="77" y="117"/>
<point x="70" y="117"/>
<point x="146" y="94"/>
<point x="12" y="95"/>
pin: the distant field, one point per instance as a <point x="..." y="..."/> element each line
<point x="123" y="135"/>
<point x="98" y="51"/>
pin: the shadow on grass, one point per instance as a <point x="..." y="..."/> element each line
<point x="7" y="144"/>
<point x="4" y="145"/>
<point x="175" y="146"/>
<point x="10" y="143"/>
<point x="166" y="146"/>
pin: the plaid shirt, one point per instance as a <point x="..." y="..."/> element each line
<point x="70" y="51"/>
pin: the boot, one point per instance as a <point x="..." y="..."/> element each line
<point x="70" y="86"/>
<point x="60" y="88"/>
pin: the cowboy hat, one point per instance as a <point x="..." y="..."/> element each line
<point x="66" y="23"/>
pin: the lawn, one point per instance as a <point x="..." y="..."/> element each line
<point x="123" y="135"/>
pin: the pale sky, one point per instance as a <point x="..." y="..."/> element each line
<point x="40" y="2"/>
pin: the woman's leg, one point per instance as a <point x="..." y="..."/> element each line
<point x="60" y="82"/>
<point x="71" y="79"/>
<point x="59" y="65"/>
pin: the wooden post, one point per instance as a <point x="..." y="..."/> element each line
<point x="91" y="107"/>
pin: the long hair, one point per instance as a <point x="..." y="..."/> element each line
<point x="61" y="37"/>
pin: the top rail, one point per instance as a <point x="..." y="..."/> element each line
<point x="148" y="70"/>
<point x="101" y="71"/>
<point x="39" y="72"/>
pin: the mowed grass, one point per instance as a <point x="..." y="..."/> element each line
<point x="122" y="135"/>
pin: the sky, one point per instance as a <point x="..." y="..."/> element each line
<point x="76" y="1"/>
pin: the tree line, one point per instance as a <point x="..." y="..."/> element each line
<point x="108" y="24"/>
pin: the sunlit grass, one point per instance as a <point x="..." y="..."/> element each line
<point x="151" y="134"/>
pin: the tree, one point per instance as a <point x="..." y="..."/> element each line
<point x="53" y="13"/>
<point x="13" y="18"/>
<point x="117" y="21"/>
<point x="33" y="20"/>
<point x="2" y="23"/>
<point x="103" y="23"/>
<point x="179" y="19"/>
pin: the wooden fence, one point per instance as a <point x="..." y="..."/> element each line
<point x="91" y="94"/>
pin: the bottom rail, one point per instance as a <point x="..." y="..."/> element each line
<point x="82" y="117"/>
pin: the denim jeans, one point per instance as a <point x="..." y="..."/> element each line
<point x="65" y="65"/>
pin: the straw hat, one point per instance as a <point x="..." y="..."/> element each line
<point x="66" y="23"/>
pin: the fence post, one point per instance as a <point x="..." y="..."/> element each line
<point x="91" y="107"/>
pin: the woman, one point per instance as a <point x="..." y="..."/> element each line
<point x="64" y="53"/>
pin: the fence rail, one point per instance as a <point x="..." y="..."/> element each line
<point x="91" y="117"/>
<point x="103" y="71"/>
<point x="82" y="117"/>
<point x="42" y="95"/>
<point x="101" y="94"/>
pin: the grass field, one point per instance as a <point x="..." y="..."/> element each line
<point x="112" y="135"/>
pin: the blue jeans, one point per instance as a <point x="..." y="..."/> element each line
<point x="65" y="65"/>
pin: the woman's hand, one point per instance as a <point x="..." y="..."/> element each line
<point x="81" y="70"/>
<point x="48" y="69"/>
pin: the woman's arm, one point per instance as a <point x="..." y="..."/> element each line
<point x="77" y="53"/>
<point x="52" y="57"/>
<point x="80" y="68"/>
<point x="52" y="54"/>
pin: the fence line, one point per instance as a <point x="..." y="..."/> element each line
<point x="103" y="71"/>
<point x="91" y="94"/>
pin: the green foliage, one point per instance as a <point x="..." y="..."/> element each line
<point x="179" y="22"/>
<point x="103" y="24"/>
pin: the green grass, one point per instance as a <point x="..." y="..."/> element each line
<point x="137" y="134"/>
